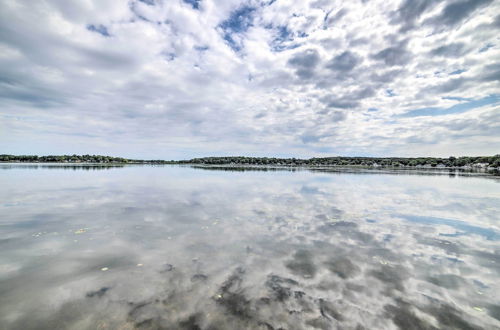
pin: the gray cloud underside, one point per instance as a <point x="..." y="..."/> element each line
<point x="182" y="79"/>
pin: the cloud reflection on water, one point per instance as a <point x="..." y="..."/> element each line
<point x="259" y="250"/>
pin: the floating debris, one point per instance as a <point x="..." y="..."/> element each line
<point x="479" y="309"/>
<point x="140" y="265"/>
<point x="80" y="231"/>
<point x="104" y="269"/>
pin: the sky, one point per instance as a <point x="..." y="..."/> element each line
<point x="177" y="79"/>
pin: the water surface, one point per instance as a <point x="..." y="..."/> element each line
<point x="169" y="247"/>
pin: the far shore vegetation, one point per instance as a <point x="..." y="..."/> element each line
<point x="484" y="162"/>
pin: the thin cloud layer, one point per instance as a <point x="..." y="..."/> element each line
<point x="180" y="79"/>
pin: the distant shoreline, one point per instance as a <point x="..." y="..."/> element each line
<point x="453" y="163"/>
<point x="265" y="168"/>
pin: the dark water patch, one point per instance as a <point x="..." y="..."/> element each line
<point x="264" y="301"/>
<point x="64" y="316"/>
<point x="448" y="281"/>
<point x="166" y="268"/>
<point x="199" y="278"/>
<point x="302" y="264"/>
<point x="355" y="287"/>
<point x="191" y="323"/>
<point x="280" y="287"/>
<point x="381" y="252"/>
<point x="494" y="311"/>
<point x="403" y="316"/>
<point x="322" y="217"/>
<point x="267" y="326"/>
<point x="99" y="293"/>
<point x="237" y="304"/>
<point x="341" y="226"/>
<point x="234" y="281"/>
<point x="448" y="246"/>
<point x="320" y="323"/>
<point x="329" y="311"/>
<point x="203" y="247"/>
<point x="231" y="296"/>
<point x="299" y="294"/>
<point x="363" y="238"/>
<point x="451" y="317"/>
<point x="135" y="308"/>
<point x="303" y="303"/>
<point x="335" y="212"/>
<point x="146" y="324"/>
<point x="346" y="229"/>
<point x="150" y="314"/>
<point x="487" y="259"/>
<point x="342" y="267"/>
<point x="392" y="276"/>
<point x="480" y="284"/>
<point x="388" y="238"/>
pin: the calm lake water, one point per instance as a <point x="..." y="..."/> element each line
<point x="171" y="247"/>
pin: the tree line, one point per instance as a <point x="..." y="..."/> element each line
<point x="94" y="159"/>
<point x="487" y="161"/>
<point x="483" y="161"/>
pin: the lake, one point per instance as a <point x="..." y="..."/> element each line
<point x="177" y="247"/>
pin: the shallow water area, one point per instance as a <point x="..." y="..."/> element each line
<point x="177" y="247"/>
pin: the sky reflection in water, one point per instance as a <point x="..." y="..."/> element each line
<point x="181" y="248"/>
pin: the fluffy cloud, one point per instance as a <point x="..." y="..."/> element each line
<point x="178" y="79"/>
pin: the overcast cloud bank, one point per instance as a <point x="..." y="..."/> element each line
<point x="181" y="79"/>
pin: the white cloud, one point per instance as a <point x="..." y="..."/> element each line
<point x="172" y="81"/>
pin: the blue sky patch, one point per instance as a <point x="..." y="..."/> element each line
<point x="457" y="108"/>
<point x="459" y="71"/>
<point x="148" y="2"/>
<point x="101" y="29"/>
<point x="194" y="3"/>
<point x="238" y="22"/>
<point x="456" y="98"/>
<point x="201" y="48"/>
<point x="486" y="47"/>
<point x="283" y="40"/>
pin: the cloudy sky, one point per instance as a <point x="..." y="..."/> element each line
<point x="177" y="79"/>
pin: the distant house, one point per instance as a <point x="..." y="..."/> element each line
<point x="481" y="165"/>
